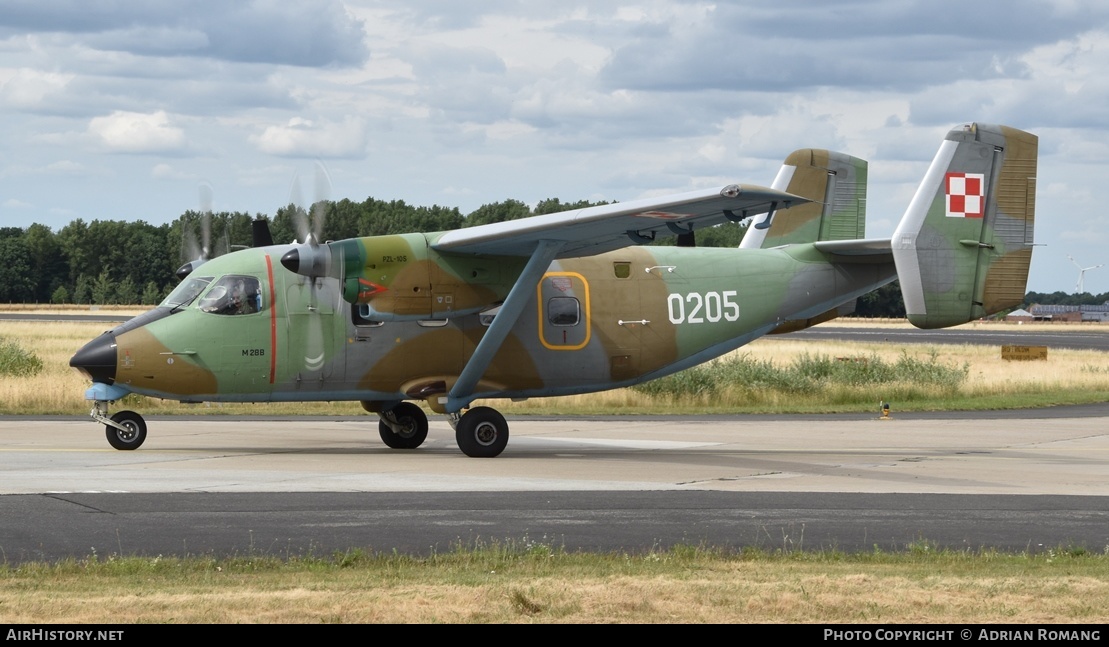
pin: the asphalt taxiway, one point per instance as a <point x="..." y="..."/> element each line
<point x="1032" y="480"/>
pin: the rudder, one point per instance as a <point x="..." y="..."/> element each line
<point x="964" y="246"/>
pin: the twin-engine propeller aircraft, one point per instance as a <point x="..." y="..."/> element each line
<point x="570" y="302"/>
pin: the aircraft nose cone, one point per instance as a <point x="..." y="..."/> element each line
<point x="97" y="359"/>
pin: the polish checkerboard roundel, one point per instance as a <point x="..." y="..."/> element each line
<point x="966" y="195"/>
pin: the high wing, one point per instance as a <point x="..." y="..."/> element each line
<point x="595" y="230"/>
<point x="584" y="232"/>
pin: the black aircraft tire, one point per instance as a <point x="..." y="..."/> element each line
<point x="482" y="432"/>
<point x="413" y="422"/>
<point x="133" y="434"/>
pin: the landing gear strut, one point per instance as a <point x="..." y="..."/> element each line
<point x="403" y="427"/>
<point x="126" y="430"/>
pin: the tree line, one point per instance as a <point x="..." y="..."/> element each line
<point x="117" y="262"/>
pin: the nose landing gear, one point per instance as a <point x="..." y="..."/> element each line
<point x="126" y="430"/>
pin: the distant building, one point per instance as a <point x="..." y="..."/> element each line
<point x="1020" y="316"/>
<point x="1094" y="313"/>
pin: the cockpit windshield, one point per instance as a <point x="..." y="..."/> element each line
<point x="186" y="292"/>
<point x="233" y="295"/>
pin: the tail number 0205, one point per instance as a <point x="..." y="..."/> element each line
<point x="698" y="308"/>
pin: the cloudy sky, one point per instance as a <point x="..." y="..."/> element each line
<point x="121" y="109"/>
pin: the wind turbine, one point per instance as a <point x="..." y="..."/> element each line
<point x="1081" y="273"/>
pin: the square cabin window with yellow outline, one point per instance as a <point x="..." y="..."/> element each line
<point x="563" y="311"/>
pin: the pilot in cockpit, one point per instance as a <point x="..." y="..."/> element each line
<point x="232" y="296"/>
<point x="239" y="303"/>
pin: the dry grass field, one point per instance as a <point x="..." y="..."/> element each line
<point x="540" y="585"/>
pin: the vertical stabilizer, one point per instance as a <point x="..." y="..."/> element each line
<point x="836" y="184"/>
<point x="963" y="248"/>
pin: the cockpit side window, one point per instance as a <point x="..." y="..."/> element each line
<point x="186" y="291"/>
<point x="233" y="295"/>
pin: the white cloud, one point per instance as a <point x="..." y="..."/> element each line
<point x="133" y="132"/>
<point x="29" y="89"/>
<point x="304" y="138"/>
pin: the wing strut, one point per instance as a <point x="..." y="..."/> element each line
<point x="461" y="394"/>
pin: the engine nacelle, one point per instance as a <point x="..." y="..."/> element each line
<point x="400" y="278"/>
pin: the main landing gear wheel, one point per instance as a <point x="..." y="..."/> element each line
<point x="410" y="429"/>
<point x="481" y="433"/>
<point x="133" y="433"/>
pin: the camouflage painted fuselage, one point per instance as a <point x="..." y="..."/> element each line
<point x="560" y="304"/>
<point x="592" y="323"/>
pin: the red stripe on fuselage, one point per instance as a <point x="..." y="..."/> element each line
<point x="273" y="321"/>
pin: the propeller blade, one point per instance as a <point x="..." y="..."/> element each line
<point x="195" y="252"/>
<point x="321" y="202"/>
<point x="190" y="248"/>
<point x="205" y="194"/>
<point x="300" y="216"/>
<point x="308" y="220"/>
<point x="224" y="246"/>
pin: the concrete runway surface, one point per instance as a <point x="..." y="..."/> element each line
<point x="1033" y="480"/>
<point x="911" y="453"/>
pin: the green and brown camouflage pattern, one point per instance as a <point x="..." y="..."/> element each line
<point x="956" y="268"/>
<point x="629" y="302"/>
<point x="836" y="185"/>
